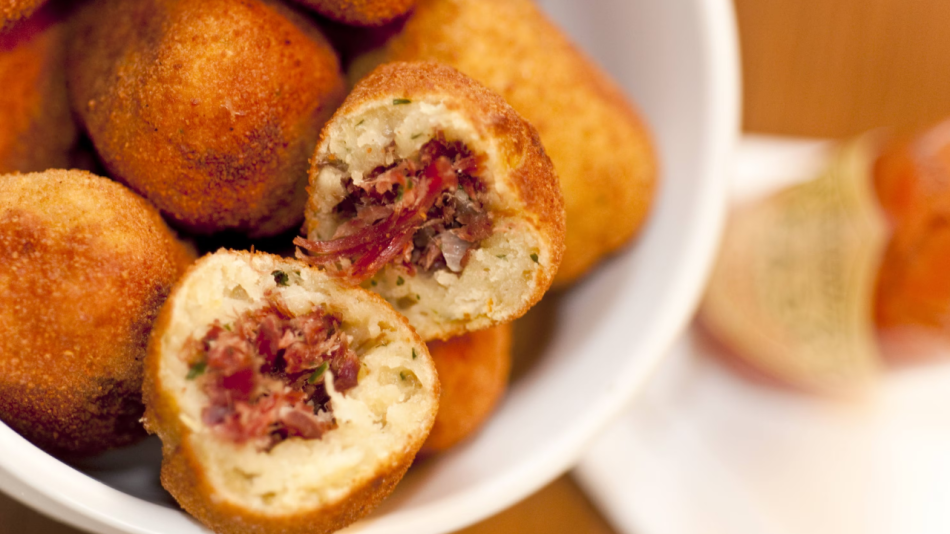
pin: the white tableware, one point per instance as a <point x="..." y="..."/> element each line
<point x="678" y="59"/>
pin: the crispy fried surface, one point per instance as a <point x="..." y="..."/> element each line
<point x="186" y="472"/>
<point x="209" y="108"/>
<point x="523" y="178"/>
<point x="360" y="12"/>
<point x="598" y="144"/>
<point x="13" y="11"/>
<point x="85" y="265"/>
<point x="36" y="129"/>
<point x="473" y="371"/>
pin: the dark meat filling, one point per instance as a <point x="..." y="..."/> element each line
<point x="426" y="212"/>
<point x="264" y="374"/>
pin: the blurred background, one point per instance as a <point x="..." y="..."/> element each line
<point x="815" y="68"/>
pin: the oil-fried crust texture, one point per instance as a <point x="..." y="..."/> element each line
<point x="473" y="371"/>
<point x="85" y="265"/>
<point x="360" y="12"/>
<point x="599" y="146"/>
<point x="13" y="11"/>
<point x="186" y="478"/>
<point x="522" y="166"/>
<point x="209" y="108"/>
<point x="37" y="129"/>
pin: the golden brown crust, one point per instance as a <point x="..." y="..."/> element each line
<point x="85" y="265"/>
<point x="13" y="11"/>
<point x="520" y="149"/>
<point x="209" y="108"/>
<point x="598" y="144"/>
<point x="360" y="12"/>
<point x="184" y="476"/>
<point x="473" y="372"/>
<point x="37" y="129"/>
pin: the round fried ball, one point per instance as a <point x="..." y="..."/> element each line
<point x="601" y="150"/>
<point x="208" y="108"/>
<point x="85" y="265"/>
<point x="36" y="128"/>
<point x="360" y="12"/>
<point x="473" y="370"/>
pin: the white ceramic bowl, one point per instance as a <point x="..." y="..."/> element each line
<point x="678" y="59"/>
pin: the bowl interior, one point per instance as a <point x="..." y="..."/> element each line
<point x="678" y="61"/>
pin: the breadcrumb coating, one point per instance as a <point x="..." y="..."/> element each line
<point x="85" y="265"/>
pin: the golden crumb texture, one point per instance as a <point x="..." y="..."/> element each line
<point x="36" y="128"/>
<point x="196" y="461"/>
<point x="473" y="372"/>
<point x="360" y="12"/>
<point x="208" y="108"/>
<point x="599" y="145"/>
<point x="85" y="265"/>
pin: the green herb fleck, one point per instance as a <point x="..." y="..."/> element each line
<point x="414" y="354"/>
<point x="280" y="277"/>
<point x="417" y="136"/>
<point x="534" y="258"/>
<point x="372" y="283"/>
<point x="227" y="327"/>
<point x="318" y="373"/>
<point x="502" y="256"/>
<point x="361" y="122"/>
<point x="401" y="101"/>
<point x="409" y="183"/>
<point x="398" y="193"/>
<point x="400" y="281"/>
<point x="418" y="297"/>
<point x="196" y="370"/>
<point x="402" y="375"/>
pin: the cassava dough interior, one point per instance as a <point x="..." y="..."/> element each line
<point x="382" y="421"/>
<point x="504" y="273"/>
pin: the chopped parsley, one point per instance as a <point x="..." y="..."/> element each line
<point x="227" y="327"/>
<point x="280" y="277"/>
<point x="502" y="256"/>
<point x="196" y="370"/>
<point x="413" y="354"/>
<point x="372" y="283"/>
<point x="416" y="136"/>
<point x="401" y="101"/>
<point x="361" y="122"/>
<point x="400" y="281"/>
<point x="534" y="258"/>
<point x="318" y="373"/>
<point x="402" y="375"/>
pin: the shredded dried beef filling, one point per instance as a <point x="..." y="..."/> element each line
<point x="264" y="374"/>
<point x="427" y="213"/>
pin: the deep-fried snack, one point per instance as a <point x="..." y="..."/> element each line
<point x="360" y="12"/>
<point x="85" y="265"/>
<point x="14" y="11"/>
<point x="599" y="146"/>
<point x="473" y="372"/>
<point x="286" y="401"/>
<point x="36" y="129"/>
<point x="208" y="108"/>
<point x="432" y="190"/>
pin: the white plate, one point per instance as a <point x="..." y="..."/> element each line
<point x="679" y="61"/>
<point x="705" y="451"/>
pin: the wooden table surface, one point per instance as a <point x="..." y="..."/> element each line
<point x="827" y="68"/>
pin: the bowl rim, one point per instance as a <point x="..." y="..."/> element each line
<point x="27" y="480"/>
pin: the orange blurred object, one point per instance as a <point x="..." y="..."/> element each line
<point x="912" y="181"/>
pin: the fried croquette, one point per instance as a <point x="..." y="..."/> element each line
<point x="286" y="401"/>
<point x="473" y="372"/>
<point x="14" y="11"/>
<point x="360" y="12"/>
<point x="36" y="128"/>
<point x="208" y="108"/>
<point x="600" y="148"/>
<point x="85" y="265"/>
<point x="429" y="189"/>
